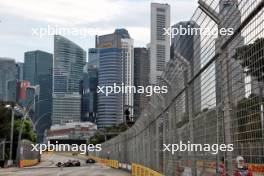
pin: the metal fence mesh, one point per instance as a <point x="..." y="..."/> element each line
<point x="215" y="96"/>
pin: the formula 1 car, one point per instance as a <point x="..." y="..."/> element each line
<point x="90" y="161"/>
<point x="69" y="163"/>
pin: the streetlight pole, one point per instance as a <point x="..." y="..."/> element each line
<point x="30" y="105"/>
<point x="11" y="135"/>
<point x="10" y="161"/>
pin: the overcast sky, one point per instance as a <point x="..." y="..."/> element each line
<point x="19" y="18"/>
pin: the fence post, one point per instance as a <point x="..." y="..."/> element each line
<point x="227" y="108"/>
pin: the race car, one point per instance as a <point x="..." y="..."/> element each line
<point x="90" y="161"/>
<point x="69" y="163"/>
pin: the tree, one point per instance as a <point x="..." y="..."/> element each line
<point x="109" y="132"/>
<point x="27" y="132"/>
<point x="97" y="139"/>
<point x="5" y="124"/>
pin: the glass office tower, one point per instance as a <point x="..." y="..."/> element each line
<point x="37" y="70"/>
<point x="110" y="111"/>
<point x="69" y="60"/>
<point x="7" y="79"/>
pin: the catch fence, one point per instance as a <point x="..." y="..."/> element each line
<point x="215" y="96"/>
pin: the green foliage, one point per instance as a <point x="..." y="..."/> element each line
<point x="5" y="125"/>
<point x="110" y="132"/>
<point x="117" y="128"/>
<point x="5" y="129"/>
<point x="97" y="139"/>
<point x="27" y="132"/>
<point x="5" y="119"/>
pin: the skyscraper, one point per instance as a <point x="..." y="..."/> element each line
<point x="20" y="71"/>
<point x="89" y="86"/>
<point x="189" y="47"/>
<point x="38" y="71"/>
<point x="93" y="57"/>
<point x="69" y="60"/>
<point x="160" y="43"/>
<point x="141" y="78"/>
<point x="89" y="92"/>
<point x="121" y="39"/>
<point x="229" y="9"/>
<point x="110" y="110"/>
<point x="112" y="40"/>
<point x="7" y="79"/>
<point x="66" y="108"/>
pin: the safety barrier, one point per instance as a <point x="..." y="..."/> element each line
<point x="28" y="157"/>
<point x="139" y="170"/>
<point x="27" y="163"/>
<point x="136" y="170"/>
<point x="110" y="163"/>
<point x="256" y="169"/>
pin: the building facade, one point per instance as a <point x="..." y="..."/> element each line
<point x="66" y="108"/>
<point x="121" y="39"/>
<point x="89" y="86"/>
<point x="229" y="9"/>
<point x="69" y="60"/>
<point x="37" y="70"/>
<point x="71" y="131"/>
<point x="159" y="43"/>
<point x="93" y="57"/>
<point x="110" y="109"/>
<point x="7" y="80"/>
<point x="89" y="93"/>
<point x="189" y="47"/>
<point x="141" y="78"/>
<point x="20" y="71"/>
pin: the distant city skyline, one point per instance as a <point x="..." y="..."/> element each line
<point x="95" y="16"/>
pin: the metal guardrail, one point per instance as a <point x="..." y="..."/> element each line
<point x="27" y="157"/>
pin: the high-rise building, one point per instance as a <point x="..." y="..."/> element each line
<point x="8" y="86"/>
<point x="20" y="71"/>
<point x="229" y="9"/>
<point x="38" y="71"/>
<point x="189" y="47"/>
<point x="141" y="78"/>
<point x="159" y="43"/>
<point x="66" y="108"/>
<point x="112" y="40"/>
<point x="69" y="60"/>
<point x="121" y="39"/>
<point x="110" y="110"/>
<point x="93" y="57"/>
<point x="89" y="93"/>
<point x="89" y="86"/>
